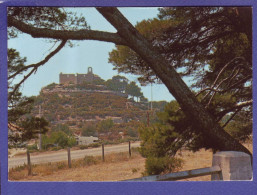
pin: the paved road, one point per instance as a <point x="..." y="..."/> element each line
<point x="62" y="156"/>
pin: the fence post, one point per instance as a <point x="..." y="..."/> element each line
<point x="103" y="152"/>
<point x="234" y="165"/>
<point x="129" y="150"/>
<point x="29" y="163"/>
<point x="69" y="157"/>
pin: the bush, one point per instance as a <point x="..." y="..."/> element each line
<point x="127" y="139"/>
<point x="134" y="170"/>
<point x="58" y="138"/>
<point x="132" y="132"/>
<point x="156" y="166"/>
<point x="55" y="148"/>
<point x="61" y="165"/>
<point x="94" y="145"/>
<point x="72" y="141"/>
<point x="32" y="147"/>
<point x="82" y="147"/>
<point x="89" y="160"/>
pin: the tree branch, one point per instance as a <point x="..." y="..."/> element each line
<point x="35" y="67"/>
<point x="237" y="106"/>
<point x="66" y="34"/>
<point x="221" y="71"/>
<point x="204" y="121"/>
<point x="233" y="115"/>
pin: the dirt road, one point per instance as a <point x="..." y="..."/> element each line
<point x="62" y="156"/>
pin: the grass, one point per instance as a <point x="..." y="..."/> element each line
<point x="20" y="153"/>
<point x="117" y="167"/>
<point x="21" y="172"/>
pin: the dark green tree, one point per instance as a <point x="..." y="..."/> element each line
<point x="21" y="125"/>
<point x="133" y="90"/>
<point x="143" y="99"/>
<point x="173" y="130"/>
<point x="117" y="83"/>
<point x="209" y="45"/>
<point x="159" y="144"/>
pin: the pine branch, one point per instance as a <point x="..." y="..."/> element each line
<point x="35" y="67"/>
<point x="66" y="34"/>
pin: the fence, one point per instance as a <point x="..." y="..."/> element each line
<point x="182" y="175"/>
<point x="69" y="157"/>
<point x="228" y="165"/>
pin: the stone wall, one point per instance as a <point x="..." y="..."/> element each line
<point x="85" y="78"/>
<point x="79" y="78"/>
<point x="67" y="78"/>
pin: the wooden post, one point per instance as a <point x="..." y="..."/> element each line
<point x="103" y="152"/>
<point x="29" y="164"/>
<point x="129" y="150"/>
<point x="69" y="157"/>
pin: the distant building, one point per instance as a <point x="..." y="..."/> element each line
<point x="78" y="78"/>
<point x="81" y="140"/>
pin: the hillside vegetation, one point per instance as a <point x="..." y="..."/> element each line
<point x="90" y="109"/>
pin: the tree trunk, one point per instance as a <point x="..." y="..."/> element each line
<point x="202" y="120"/>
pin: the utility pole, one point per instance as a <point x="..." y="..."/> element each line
<point x="151" y="96"/>
<point x="40" y="136"/>
<point x="148" y="121"/>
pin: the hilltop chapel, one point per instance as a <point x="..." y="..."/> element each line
<point x="78" y="78"/>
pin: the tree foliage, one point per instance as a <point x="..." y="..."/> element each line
<point x="117" y="83"/>
<point x="212" y="46"/>
<point x="58" y="138"/>
<point x="22" y="126"/>
<point x="46" y="17"/>
<point x="173" y="130"/>
<point x="188" y="37"/>
<point x="133" y="90"/>
<point x="126" y="60"/>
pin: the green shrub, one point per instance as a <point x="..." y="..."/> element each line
<point x="60" y="165"/>
<point x="94" y="145"/>
<point x="32" y="147"/>
<point x="58" y="138"/>
<point x="89" y="160"/>
<point x="156" y="166"/>
<point x="82" y="147"/>
<point x="72" y="141"/>
<point x="55" y="148"/>
<point x="134" y="170"/>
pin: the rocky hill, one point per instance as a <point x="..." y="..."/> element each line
<point x="64" y="104"/>
<point x="93" y="109"/>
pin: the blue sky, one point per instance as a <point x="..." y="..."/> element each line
<point x="86" y="53"/>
